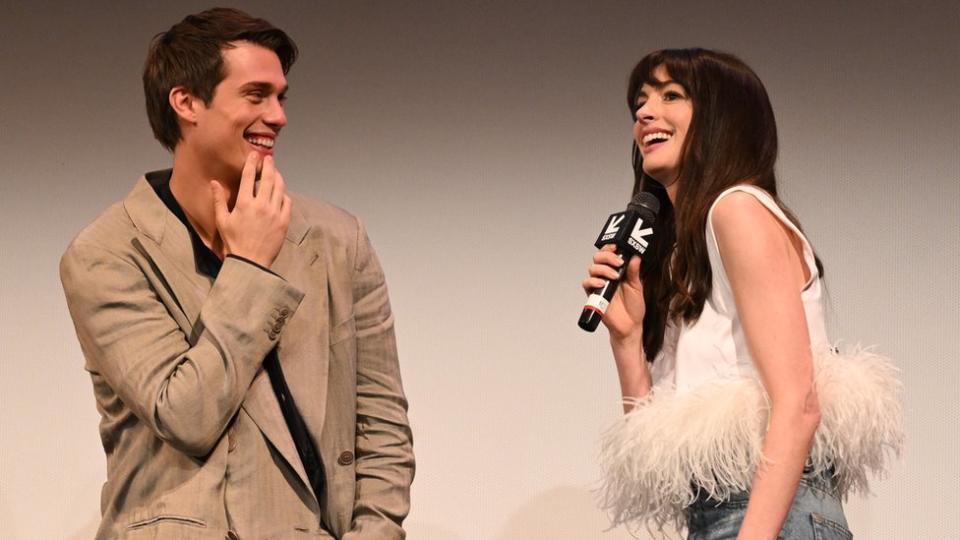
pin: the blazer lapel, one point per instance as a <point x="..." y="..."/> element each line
<point x="264" y="409"/>
<point x="165" y="242"/>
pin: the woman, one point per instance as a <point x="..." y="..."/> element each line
<point x="741" y="421"/>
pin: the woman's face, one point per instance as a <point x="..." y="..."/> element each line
<point x="663" y="119"/>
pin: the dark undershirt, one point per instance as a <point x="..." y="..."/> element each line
<point x="208" y="264"/>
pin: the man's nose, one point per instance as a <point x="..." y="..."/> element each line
<point x="275" y="116"/>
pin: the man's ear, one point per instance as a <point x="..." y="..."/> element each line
<point x="185" y="104"/>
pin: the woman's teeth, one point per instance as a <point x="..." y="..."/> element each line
<point x="658" y="136"/>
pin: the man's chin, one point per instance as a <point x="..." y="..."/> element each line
<point x="228" y="176"/>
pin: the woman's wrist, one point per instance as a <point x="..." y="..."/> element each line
<point x="627" y="347"/>
<point x="635" y="380"/>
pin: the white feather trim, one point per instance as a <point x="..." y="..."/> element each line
<point x="711" y="436"/>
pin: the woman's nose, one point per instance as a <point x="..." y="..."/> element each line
<point x="646" y="113"/>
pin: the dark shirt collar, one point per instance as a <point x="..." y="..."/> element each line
<point x="206" y="261"/>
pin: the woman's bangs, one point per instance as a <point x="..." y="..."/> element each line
<point x="678" y="69"/>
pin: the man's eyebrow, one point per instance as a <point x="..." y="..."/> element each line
<point x="263" y="87"/>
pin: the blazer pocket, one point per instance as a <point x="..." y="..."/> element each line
<point x="167" y="518"/>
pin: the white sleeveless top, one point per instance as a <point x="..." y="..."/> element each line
<point x="714" y="346"/>
<point x="704" y="420"/>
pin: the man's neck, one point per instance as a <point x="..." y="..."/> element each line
<point x="190" y="186"/>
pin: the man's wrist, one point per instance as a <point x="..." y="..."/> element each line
<point x="255" y="263"/>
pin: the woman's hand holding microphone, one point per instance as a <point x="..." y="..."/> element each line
<point x="624" y="316"/>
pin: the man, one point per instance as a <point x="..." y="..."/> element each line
<point x="239" y="338"/>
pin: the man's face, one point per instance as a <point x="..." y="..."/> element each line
<point x="245" y="114"/>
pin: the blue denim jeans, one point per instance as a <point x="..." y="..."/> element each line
<point x="816" y="513"/>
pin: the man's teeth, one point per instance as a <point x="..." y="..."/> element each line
<point x="658" y="136"/>
<point x="265" y="142"/>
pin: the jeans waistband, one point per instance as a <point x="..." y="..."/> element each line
<point x="823" y="481"/>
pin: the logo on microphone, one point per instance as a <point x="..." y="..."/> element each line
<point x="612" y="228"/>
<point x="638" y="236"/>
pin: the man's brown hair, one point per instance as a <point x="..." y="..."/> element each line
<point x="189" y="55"/>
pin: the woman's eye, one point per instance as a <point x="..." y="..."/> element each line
<point x="671" y="96"/>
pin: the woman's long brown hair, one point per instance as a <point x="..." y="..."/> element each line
<point x="732" y="140"/>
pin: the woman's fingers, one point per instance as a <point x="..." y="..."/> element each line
<point x="607" y="257"/>
<point x="633" y="270"/>
<point x="590" y="284"/>
<point x="604" y="268"/>
<point x="603" y="271"/>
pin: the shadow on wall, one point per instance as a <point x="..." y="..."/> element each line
<point x="6" y="518"/>
<point x="88" y="531"/>
<point x="8" y="532"/>
<point x="566" y="513"/>
<point x="428" y="531"/>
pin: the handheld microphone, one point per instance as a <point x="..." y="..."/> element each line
<point x="631" y="231"/>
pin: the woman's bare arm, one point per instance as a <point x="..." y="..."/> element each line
<point x="766" y="272"/>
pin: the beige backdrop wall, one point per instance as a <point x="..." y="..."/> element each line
<point x="483" y="143"/>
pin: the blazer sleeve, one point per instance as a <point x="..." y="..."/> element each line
<point x="384" y="445"/>
<point x="185" y="392"/>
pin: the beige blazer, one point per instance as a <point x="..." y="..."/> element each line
<point x="196" y="444"/>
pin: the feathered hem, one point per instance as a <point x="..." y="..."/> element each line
<point x="712" y="436"/>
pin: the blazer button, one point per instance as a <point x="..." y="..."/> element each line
<point x="346" y="458"/>
<point x="284" y="312"/>
<point x="272" y="335"/>
<point x="277" y="326"/>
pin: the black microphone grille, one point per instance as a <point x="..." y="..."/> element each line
<point x="644" y="202"/>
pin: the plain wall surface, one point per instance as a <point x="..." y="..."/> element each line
<point x="483" y="144"/>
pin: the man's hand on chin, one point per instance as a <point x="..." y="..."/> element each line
<point x="256" y="226"/>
